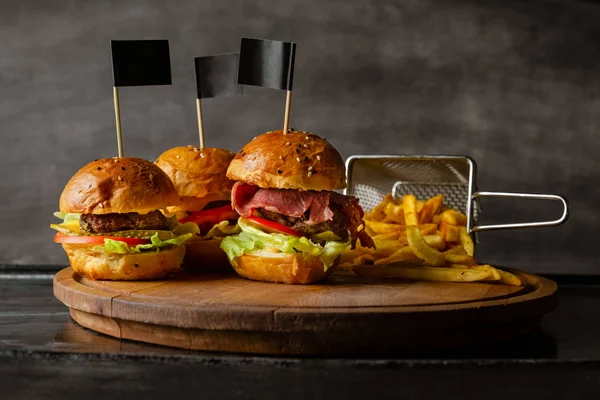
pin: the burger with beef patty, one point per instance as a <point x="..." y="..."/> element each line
<point x="293" y="225"/>
<point x="205" y="202"/>
<point x="113" y="227"/>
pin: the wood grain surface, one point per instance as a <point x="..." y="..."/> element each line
<point x="344" y="315"/>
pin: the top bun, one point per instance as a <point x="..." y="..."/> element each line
<point x="297" y="160"/>
<point x="118" y="185"/>
<point x="197" y="172"/>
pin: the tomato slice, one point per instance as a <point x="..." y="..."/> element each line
<point x="212" y="216"/>
<point x="273" y="227"/>
<point x="63" y="238"/>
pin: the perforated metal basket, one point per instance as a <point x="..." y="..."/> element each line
<point x="371" y="177"/>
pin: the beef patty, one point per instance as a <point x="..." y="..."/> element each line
<point x="114" y="222"/>
<point x="337" y="224"/>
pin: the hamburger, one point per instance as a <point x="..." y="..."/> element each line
<point x="205" y="202"/>
<point x="112" y="226"/>
<point x="293" y="225"/>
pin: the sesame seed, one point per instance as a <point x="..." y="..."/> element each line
<point x="101" y="205"/>
<point x="307" y="138"/>
<point x="309" y="173"/>
<point x="281" y="157"/>
<point x="310" y="168"/>
<point x="319" y="158"/>
<point x="288" y="143"/>
<point x="196" y="149"/>
<point x="305" y="146"/>
<point x="298" y="159"/>
<point x="202" y="155"/>
<point x="119" y="178"/>
<point x="176" y="156"/>
<point x="189" y="145"/>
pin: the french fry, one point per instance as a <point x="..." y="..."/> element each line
<point x="348" y="256"/>
<point x="422" y="273"/>
<point x="494" y="273"/>
<point x="430" y="208"/>
<point x="387" y="236"/>
<point x="456" y="250"/>
<point x="382" y="227"/>
<point x="435" y="241"/>
<point x="422" y="250"/>
<point x="454" y="217"/>
<point x="403" y="254"/>
<point x="394" y="213"/>
<point x="386" y="248"/>
<point x="410" y="210"/>
<point x="459" y="259"/>
<point x="364" y="259"/>
<point x="466" y="241"/>
<point x="428" y="229"/>
<point x="451" y="233"/>
<point x="422" y="240"/>
<point x="377" y="213"/>
<point x="509" y="279"/>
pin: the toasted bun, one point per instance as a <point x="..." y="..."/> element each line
<point x="206" y="255"/>
<point x="124" y="267"/>
<point x="197" y="172"/>
<point x="282" y="268"/>
<point x="275" y="160"/>
<point x="118" y="185"/>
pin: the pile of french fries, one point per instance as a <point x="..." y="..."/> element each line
<point x="420" y="240"/>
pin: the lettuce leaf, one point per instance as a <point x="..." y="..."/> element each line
<point x="252" y="238"/>
<point x="115" y="246"/>
<point x="70" y="223"/>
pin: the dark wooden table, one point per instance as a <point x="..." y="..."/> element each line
<point x="43" y="354"/>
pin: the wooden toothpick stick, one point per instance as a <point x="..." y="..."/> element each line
<point x="200" y="122"/>
<point x="118" y="120"/>
<point x="286" y="119"/>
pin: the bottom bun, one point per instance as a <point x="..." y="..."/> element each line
<point x="293" y="269"/>
<point x="124" y="267"/>
<point x="206" y="255"/>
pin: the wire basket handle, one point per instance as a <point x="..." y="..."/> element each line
<point x="554" y="197"/>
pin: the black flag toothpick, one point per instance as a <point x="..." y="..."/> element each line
<point x="270" y="64"/>
<point x="216" y="76"/>
<point x="138" y="63"/>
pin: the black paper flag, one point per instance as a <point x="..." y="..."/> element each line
<point x="140" y="62"/>
<point x="216" y="75"/>
<point x="267" y="63"/>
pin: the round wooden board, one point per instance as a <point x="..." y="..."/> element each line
<point x="346" y="315"/>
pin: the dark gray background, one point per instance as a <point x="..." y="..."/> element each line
<point x="514" y="84"/>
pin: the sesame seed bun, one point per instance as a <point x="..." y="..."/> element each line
<point x="118" y="185"/>
<point x="292" y="269"/>
<point x="197" y="172"/>
<point x="297" y="160"/>
<point x="123" y="267"/>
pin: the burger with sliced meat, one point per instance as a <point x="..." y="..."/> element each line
<point x="205" y="202"/>
<point x="113" y="227"/>
<point x="294" y="226"/>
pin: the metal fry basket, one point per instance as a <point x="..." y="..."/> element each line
<point x="371" y="177"/>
